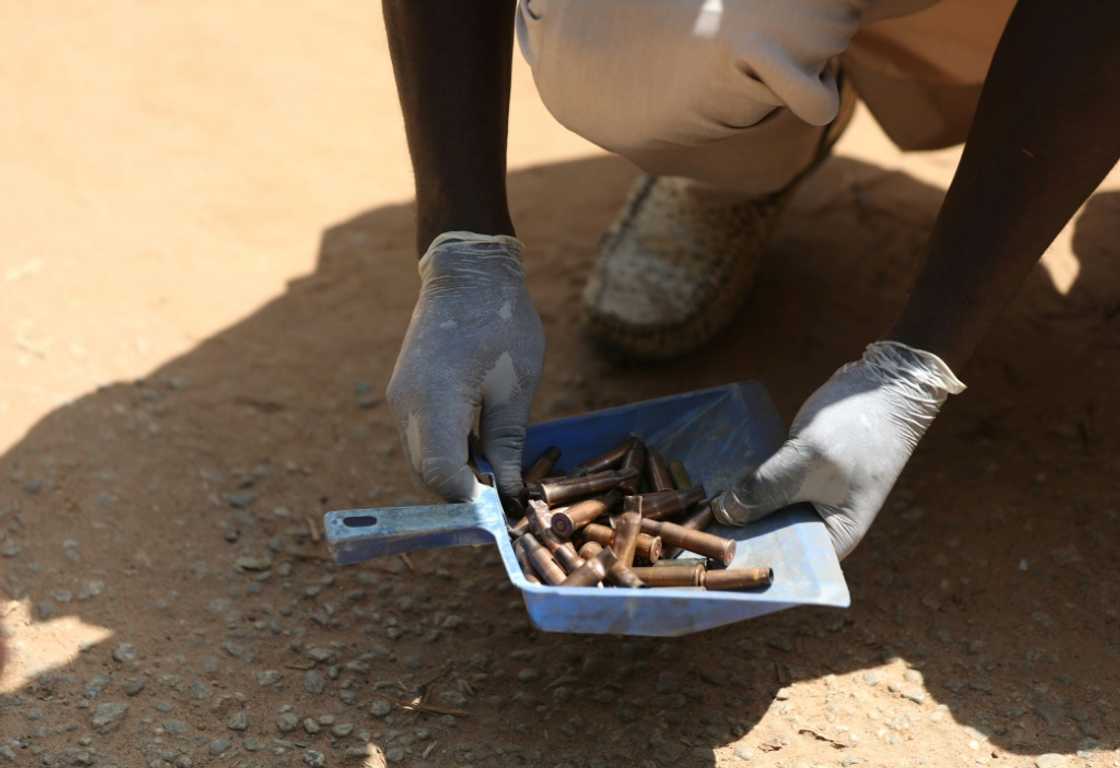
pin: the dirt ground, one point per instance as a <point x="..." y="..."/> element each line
<point x="207" y="268"/>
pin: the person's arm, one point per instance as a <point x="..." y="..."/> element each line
<point x="452" y="63"/>
<point x="475" y="344"/>
<point x="1046" y="131"/>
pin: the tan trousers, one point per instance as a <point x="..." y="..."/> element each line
<point x="736" y="93"/>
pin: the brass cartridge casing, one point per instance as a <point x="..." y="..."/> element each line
<point x="590" y="549"/>
<point x="543" y="562"/>
<point x="571" y="488"/>
<point x="593" y="571"/>
<point x="609" y="460"/>
<point x="738" y="578"/>
<point x="568" y="520"/>
<point x="658" y="472"/>
<point x="635" y="460"/>
<point x="708" y="544"/>
<point x="671" y="575"/>
<point x="662" y="505"/>
<point x="523" y="561"/>
<point x="680" y="475"/>
<point x="541" y="468"/>
<point x="649" y="548"/>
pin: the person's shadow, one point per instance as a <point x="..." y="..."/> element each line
<point x="172" y="512"/>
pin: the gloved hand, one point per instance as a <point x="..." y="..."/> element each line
<point x="848" y="443"/>
<point x="475" y="341"/>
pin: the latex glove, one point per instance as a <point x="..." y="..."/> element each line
<point x="475" y="341"/>
<point x="848" y="443"/>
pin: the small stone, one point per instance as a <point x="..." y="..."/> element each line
<point x="238" y="721"/>
<point x="240" y="499"/>
<point x="342" y="729"/>
<point x="528" y="674"/>
<point x="317" y="653"/>
<point x="220" y="746"/>
<point x="176" y="727"/>
<point x="268" y="677"/>
<point x="912" y="676"/>
<point x="1050" y="760"/>
<point x="200" y="691"/>
<point x="915" y="695"/>
<point x="380" y="708"/>
<point x="10" y="549"/>
<point x="744" y="753"/>
<point x="32" y="487"/>
<point x="311" y="725"/>
<point x="314" y="759"/>
<point x="125" y="653"/>
<point x="287" y="722"/>
<point x="394" y="754"/>
<point x="133" y="686"/>
<point x="872" y="678"/>
<point x="314" y="682"/>
<point x="263" y="563"/>
<point x="44" y="610"/>
<point x="783" y="694"/>
<point x="107" y="716"/>
<point x="7" y="752"/>
<point x="252" y="745"/>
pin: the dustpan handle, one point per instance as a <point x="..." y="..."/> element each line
<point x="354" y="535"/>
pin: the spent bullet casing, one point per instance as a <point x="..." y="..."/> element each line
<point x="700" y="519"/>
<point x="523" y="560"/>
<point x="609" y="460"/>
<point x="708" y="544"/>
<point x="635" y="460"/>
<point x="572" y="488"/>
<point x="543" y="562"/>
<point x="680" y="475"/>
<point x="621" y="576"/>
<point x="662" y="505"/>
<point x="738" y="578"/>
<point x="649" y="548"/>
<point x="592" y="571"/>
<point x="590" y="549"/>
<point x="658" y="472"/>
<point x="541" y="468"/>
<point x="671" y="575"/>
<point x="627" y="528"/>
<point x="568" y="520"/>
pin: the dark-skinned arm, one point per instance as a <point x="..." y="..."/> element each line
<point x="1047" y="130"/>
<point x="452" y="63"/>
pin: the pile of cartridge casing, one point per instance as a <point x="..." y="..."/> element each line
<point x="621" y="519"/>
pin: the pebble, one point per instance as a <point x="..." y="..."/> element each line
<point x="125" y="653"/>
<point x="314" y="759"/>
<point x="268" y="677"/>
<point x="238" y="721"/>
<point x="380" y="708"/>
<point x="263" y="563"/>
<point x="872" y="678"/>
<point x="176" y="727"/>
<point x="311" y="725"/>
<point x="10" y="549"/>
<point x="744" y="753"/>
<point x="314" y="682"/>
<point x="107" y="716"/>
<point x="96" y="685"/>
<point x="342" y="729"/>
<point x="220" y="746"/>
<point x="915" y="695"/>
<point x="394" y="754"/>
<point x="240" y="499"/>
<point x="287" y="722"/>
<point x="319" y="654"/>
<point x="200" y="691"/>
<point x="1050" y="760"/>
<point x="528" y="674"/>
<point x="252" y="745"/>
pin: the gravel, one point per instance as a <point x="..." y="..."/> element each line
<point x="238" y="721"/>
<point x="125" y="653"/>
<point x="287" y="722"/>
<point x="108" y="715"/>
<point x="314" y="682"/>
<point x="220" y="746"/>
<point x="380" y="708"/>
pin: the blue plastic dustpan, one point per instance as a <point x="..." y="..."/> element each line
<point x="716" y="433"/>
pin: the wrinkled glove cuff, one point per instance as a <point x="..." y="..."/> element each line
<point x="895" y="362"/>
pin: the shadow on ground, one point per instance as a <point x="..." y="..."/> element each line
<point x="985" y="597"/>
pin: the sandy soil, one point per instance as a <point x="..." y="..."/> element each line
<point x="207" y="269"/>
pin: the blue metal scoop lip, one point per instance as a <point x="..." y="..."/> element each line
<point x="716" y="433"/>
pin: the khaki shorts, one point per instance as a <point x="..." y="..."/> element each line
<point x="736" y="93"/>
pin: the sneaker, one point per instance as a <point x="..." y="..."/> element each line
<point x="678" y="262"/>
